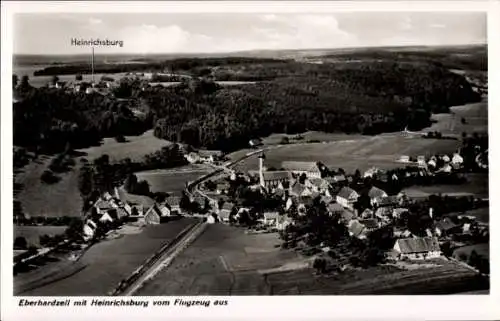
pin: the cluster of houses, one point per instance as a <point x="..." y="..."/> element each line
<point x="103" y="87"/>
<point x="437" y="163"/>
<point x="123" y="207"/>
<point x="204" y="156"/>
<point x="298" y="184"/>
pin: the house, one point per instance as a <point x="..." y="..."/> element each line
<point x="376" y="195"/>
<point x="255" y="142"/>
<point x="288" y="204"/>
<point x="404" y="159"/>
<point x="227" y="209"/>
<point x="326" y="199"/>
<point x="210" y="156"/>
<point x="445" y="169"/>
<point x="335" y="208"/>
<point x="403" y="234"/>
<point x="172" y="203"/>
<point x="346" y="216"/>
<point x="282" y="222"/>
<point x="211" y="219"/>
<point x="153" y="215"/>
<point x="457" y="159"/>
<point x="270" y="218"/>
<point x="317" y="185"/>
<point x="276" y="179"/>
<point x="446" y="227"/>
<point x="388" y="201"/>
<point x="347" y="197"/>
<point x="222" y="187"/>
<point x="397" y="212"/>
<point x="356" y="229"/>
<point x="300" y="190"/>
<point x="371" y="172"/>
<point x="89" y="229"/>
<point x="192" y="157"/>
<point x="383" y="212"/>
<point x="367" y="213"/>
<point x="370" y="224"/>
<point x="332" y="180"/>
<point x="417" y="248"/>
<point x="310" y="169"/>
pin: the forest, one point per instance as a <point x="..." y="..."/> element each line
<point x="367" y="98"/>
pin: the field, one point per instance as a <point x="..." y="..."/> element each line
<point x="226" y="261"/>
<point x="481" y="214"/>
<point x="477" y="185"/>
<point x="361" y="153"/>
<point x="476" y="116"/>
<point x="172" y="181"/>
<point x="482" y="249"/>
<point x="104" y="264"/>
<point x="40" y="199"/>
<point x="134" y="148"/>
<point x="32" y="233"/>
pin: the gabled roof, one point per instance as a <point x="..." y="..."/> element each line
<point x="418" y="245"/>
<point x="228" y="206"/>
<point x="369" y="223"/>
<point x="298" y="188"/>
<point x="445" y="225"/>
<point x="301" y="166"/>
<point x="153" y="210"/>
<point x="276" y="175"/>
<point x="346" y="216"/>
<point x="318" y="182"/>
<point x="271" y="215"/>
<point x="135" y="199"/>
<point x="356" y="228"/>
<point x="102" y="204"/>
<point x="346" y="192"/>
<point x="173" y="201"/>
<point x="384" y="211"/>
<point x="376" y="192"/>
<point x="326" y="199"/>
<point x="335" y="208"/>
<point x="121" y="212"/>
<point x="389" y="200"/>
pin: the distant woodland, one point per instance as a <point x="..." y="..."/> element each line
<point x="368" y="97"/>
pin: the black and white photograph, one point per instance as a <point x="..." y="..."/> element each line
<point x="200" y="154"/>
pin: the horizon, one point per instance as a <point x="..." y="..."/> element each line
<point x="187" y="34"/>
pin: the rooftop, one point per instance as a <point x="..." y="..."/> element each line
<point x="418" y="245"/>
<point x="300" y="166"/>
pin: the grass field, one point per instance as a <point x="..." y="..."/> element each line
<point x="476" y="116"/>
<point x="355" y="153"/>
<point x="481" y="214"/>
<point x="477" y="185"/>
<point x="40" y="199"/>
<point x="172" y="181"/>
<point x="226" y="261"/>
<point x="134" y="148"/>
<point x="32" y="233"/>
<point x="482" y="249"/>
<point x="105" y="264"/>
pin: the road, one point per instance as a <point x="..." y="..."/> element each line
<point x="164" y="260"/>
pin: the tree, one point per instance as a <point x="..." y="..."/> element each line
<point x="285" y="141"/>
<point x="320" y="265"/>
<point x="20" y="243"/>
<point x="78" y="77"/>
<point x="185" y="203"/>
<point x="120" y="139"/>
<point x="25" y="82"/>
<point x="463" y="121"/>
<point x="15" y="80"/>
<point x="130" y="183"/>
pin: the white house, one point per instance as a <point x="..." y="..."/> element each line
<point x="347" y="197"/>
<point x="376" y="195"/>
<point x="417" y="248"/>
<point x="404" y="159"/>
<point x="153" y="215"/>
<point x="270" y="218"/>
<point x="457" y="159"/>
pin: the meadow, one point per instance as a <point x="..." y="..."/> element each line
<point x="104" y="264"/>
<point x="172" y="181"/>
<point x="226" y="261"/>
<point x="32" y="233"/>
<point x="135" y="147"/>
<point x="361" y="153"/>
<point x="475" y="115"/>
<point x="477" y="185"/>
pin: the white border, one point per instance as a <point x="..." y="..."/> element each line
<point x="288" y="308"/>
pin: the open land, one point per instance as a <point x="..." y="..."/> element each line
<point x="103" y="265"/>
<point x="172" y="181"/>
<point x="32" y="233"/>
<point x="482" y="249"/>
<point x="225" y="261"/>
<point x="476" y="116"/>
<point x="134" y="148"/>
<point x="477" y="185"/>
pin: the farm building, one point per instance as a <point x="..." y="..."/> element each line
<point x="346" y="216"/>
<point x="227" y="209"/>
<point x="371" y="172"/>
<point x="356" y="229"/>
<point x="388" y="201"/>
<point x="255" y="142"/>
<point x="376" y="195"/>
<point x="282" y="222"/>
<point x="367" y="213"/>
<point x="222" y="187"/>
<point x="335" y="208"/>
<point x="326" y="199"/>
<point x="171" y="206"/>
<point x="153" y="215"/>
<point x="347" y="197"/>
<point x="310" y="169"/>
<point x="370" y="224"/>
<point x="404" y="159"/>
<point x="210" y="155"/>
<point x="300" y="190"/>
<point x="317" y="185"/>
<point x="446" y="227"/>
<point x="417" y="248"/>
<point x="270" y="218"/>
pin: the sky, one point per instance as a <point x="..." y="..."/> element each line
<point x="48" y="33"/>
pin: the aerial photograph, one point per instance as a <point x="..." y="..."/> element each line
<point x="237" y="154"/>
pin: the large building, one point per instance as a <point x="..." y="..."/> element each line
<point x="417" y="248"/>
<point x="310" y="169"/>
